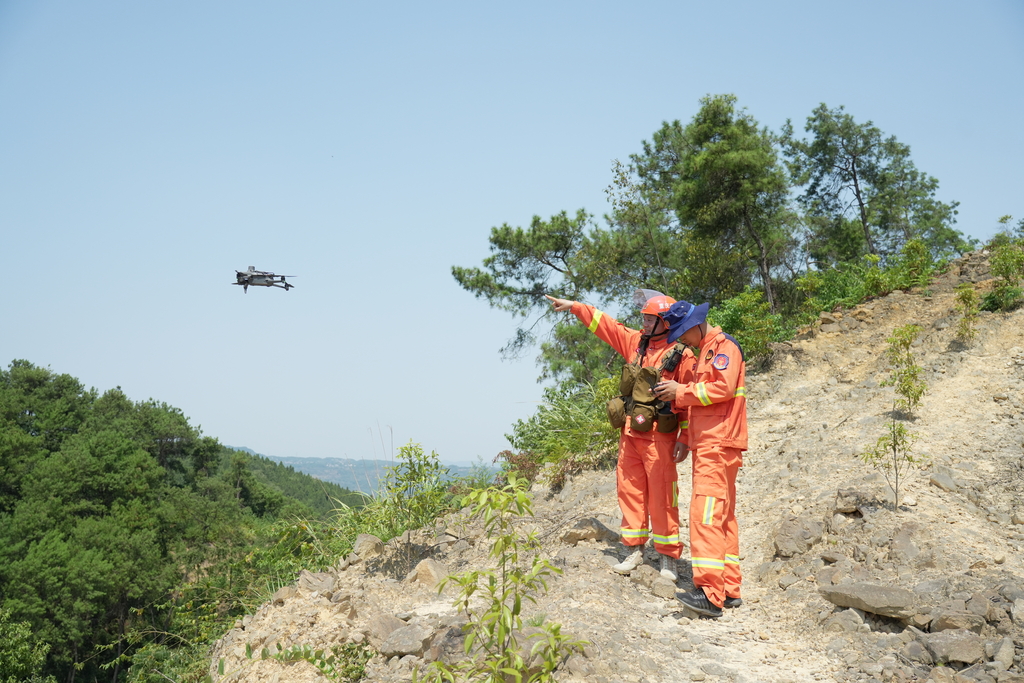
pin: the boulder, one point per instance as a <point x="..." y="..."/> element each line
<point x="367" y="546"/>
<point x="428" y="573"/>
<point x="447" y="646"/>
<point x="847" y="621"/>
<point x="380" y="626"/>
<point x="407" y="640"/>
<point x="944" y="482"/>
<point x="320" y="582"/>
<point x="951" y="621"/>
<point x="882" y="600"/>
<point x="664" y="588"/>
<point x="645" y="575"/>
<point x="283" y="593"/>
<point x="589" y="529"/>
<point x="851" y="499"/>
<point x="902" y="549"/>
<point x="960" y="646"/>
<point x="796" y="536"/>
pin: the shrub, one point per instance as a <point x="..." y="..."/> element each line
<point x="569" y="433"/>
<point x="494" y="631"/>
<point x="892" y="452"/>
<point x="967" y="305"/>
<point x="1007" y="264"/>
<point x="749" y="319"/>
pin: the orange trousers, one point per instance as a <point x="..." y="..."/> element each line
<point x="714" y="533"/>
<point x="648" y="490"/>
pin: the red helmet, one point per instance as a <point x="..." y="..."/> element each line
<point x="658" y="305"/>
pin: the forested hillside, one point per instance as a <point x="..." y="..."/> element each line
<point x="114" y="515"/>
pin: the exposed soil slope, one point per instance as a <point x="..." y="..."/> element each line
<point x="839" y="586"/>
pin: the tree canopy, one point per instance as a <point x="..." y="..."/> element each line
<point x="719" y="209"/>
<point x="105" y="504"/>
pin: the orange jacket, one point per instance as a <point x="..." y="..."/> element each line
<point x="714" y="391"/>
<point x="627" y="342"/>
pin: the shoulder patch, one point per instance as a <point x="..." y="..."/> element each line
<point x="721" y="362"/>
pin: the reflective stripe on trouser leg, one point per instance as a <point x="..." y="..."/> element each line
<point x="647" y="491"/>
<point x="707" y="546"/>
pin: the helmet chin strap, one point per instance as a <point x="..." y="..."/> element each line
<point x="654" y="333"/>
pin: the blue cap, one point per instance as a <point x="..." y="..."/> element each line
<point x="682" y="316"/>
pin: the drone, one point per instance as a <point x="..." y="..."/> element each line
<point x="260" y="278"/>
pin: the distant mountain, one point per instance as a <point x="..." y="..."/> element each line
<point x="356" y="475"/>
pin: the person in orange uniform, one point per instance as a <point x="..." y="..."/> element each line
<point x="646" y="472"/>
<point x="715" y="401"/>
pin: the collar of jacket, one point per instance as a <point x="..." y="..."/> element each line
<point x="710" y="338"/>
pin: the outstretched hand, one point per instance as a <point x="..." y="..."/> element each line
<point x="560" y="305"/>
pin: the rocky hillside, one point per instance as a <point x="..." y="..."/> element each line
<point x="839" y="586"/>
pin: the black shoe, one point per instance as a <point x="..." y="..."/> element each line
<point x="699" y="603"/>
<point x="733" y="602"/>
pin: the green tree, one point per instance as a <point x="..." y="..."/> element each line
<point x="526" y="264"/>
<point x="729" y="185"/>
<point x="22" y="656"/>
<point x="856" y="176"/>
<point x="892" y="454"/>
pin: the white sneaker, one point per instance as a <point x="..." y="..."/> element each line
<point x="630" y="563"/>
<point x="668" y="568"/>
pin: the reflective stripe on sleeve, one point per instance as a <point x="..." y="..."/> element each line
<point x="685" y="424"/>
<point x="597" y="319"/>
<point x="702" y="394"/>
<point x="740" y="391"/>
<point x="732" y="559"/>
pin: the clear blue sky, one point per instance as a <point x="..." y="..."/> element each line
<point x="149" y="149"/>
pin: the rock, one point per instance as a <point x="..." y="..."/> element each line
<point x="980" y="604"/>
<point x="917" y="652"/>
<point x="283" y="593"/>
<point x="345" y="608"/>
<point x="380" y="626"/>
<point x="944" y="482"/>
<point x="960" y="646"/>
<point x="1004" y="653"/>
<point x="847" y="621"/>
<point x="645" y="575"/>
<point x="787" y="580"/>
<point x="589" y="529"/>
<point x="1017" y="612"/>
<point x="429" y="573"/>
<point x="902" y="548"/>
<point x="830" y="328"/>
<point x="447" y="645"/>
<point x="949" y="621"/>
<point x="929" y="587"/>
<point x="887" y="602"/>
<point x="796" y="536"/>
<point x="579" y="666"/>
<point x="664" y="588"/>
<point x="717" y="669"/>
<point x="322" y="582"/>
<point x="407" y="640"/>
<point x="829" y="318"/>
<point x="852" y="499"/>
<point x="367" y="546"/>
<point x="832" y="556"/>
